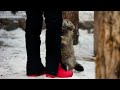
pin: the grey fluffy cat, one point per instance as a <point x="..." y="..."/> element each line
<point x="67" y="50"/>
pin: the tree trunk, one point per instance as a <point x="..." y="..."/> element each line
<point x="108" y="55"/>
<point x="73" y="16"/>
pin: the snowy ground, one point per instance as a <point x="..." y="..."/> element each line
<point x="13" y="55"/>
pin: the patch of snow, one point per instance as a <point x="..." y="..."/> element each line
<point x="13" y="52"/>
<point x="13" y="55"/>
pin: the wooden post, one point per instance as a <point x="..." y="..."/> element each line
<point x="73" y="16"/>
<point x="96" y="31"/>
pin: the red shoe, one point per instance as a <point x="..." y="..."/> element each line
<point x="35" y="75"/>
<point x="61" y="73"/>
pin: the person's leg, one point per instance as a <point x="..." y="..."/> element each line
<point x="53" y="21"/>
<point x="33" y="31"/>
<point x="53" y="45"/>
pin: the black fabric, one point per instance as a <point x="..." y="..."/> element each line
<point x="34" y="22"/>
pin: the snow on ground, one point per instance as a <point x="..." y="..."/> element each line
<point x="13" y="55"/>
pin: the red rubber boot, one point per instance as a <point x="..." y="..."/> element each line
<point x="61" y="73"/>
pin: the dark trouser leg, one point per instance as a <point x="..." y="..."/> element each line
<point x="53" y="40"/>
<point x="33" y="31"/>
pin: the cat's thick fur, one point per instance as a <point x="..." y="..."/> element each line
<point x="67" y="49"/>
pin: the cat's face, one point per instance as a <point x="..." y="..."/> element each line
<point x="67" y="29"/>
<point x="67" y="26"/>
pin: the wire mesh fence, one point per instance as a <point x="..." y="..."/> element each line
<point x="86" y="15"/>
<point x="83" y="15"/>
<point x="8" y="14"/>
